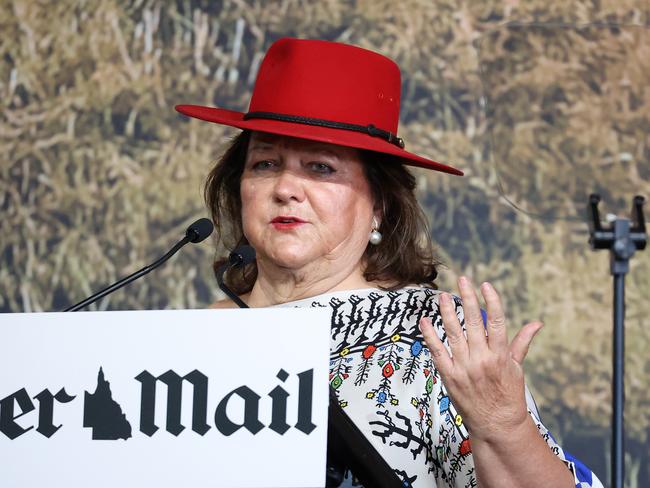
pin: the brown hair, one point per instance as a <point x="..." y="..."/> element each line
<point x="405" y="255"/>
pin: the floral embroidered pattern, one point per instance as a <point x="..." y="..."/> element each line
<point x="383" y="375"/>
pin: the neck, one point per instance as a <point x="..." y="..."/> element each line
<point x="277" y="285"/>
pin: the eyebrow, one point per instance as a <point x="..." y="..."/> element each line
<point x="316" y="147"/>
<point x="260" y="145"/>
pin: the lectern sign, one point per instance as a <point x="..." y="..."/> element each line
<point x="234" y="398"/>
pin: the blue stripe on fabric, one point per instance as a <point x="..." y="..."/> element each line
<point x="583" y="473"/>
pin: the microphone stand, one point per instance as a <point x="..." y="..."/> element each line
<point x="622" y="238"/>
<point x="196" y="232"/>
<point x="347" y="447"/>
<point x="235" y="259"/>
<point x="132" y="277"/>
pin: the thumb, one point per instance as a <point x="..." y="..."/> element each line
<point x="521" y="342"/>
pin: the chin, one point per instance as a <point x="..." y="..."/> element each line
<point x="286" y="251"/>
<point x="290" y="257"/>
<point x="290" y="261"/>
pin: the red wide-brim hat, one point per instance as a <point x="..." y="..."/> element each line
<point x="328" y="92"/>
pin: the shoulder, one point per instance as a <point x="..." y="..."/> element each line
<point x="378" y="299"/>
<point x="226" y="303"/>
<point x="415" y="295"/>
<point x="411" y="295"/>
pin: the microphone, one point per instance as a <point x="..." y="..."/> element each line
<point x="196" y="232"/>
<point x="199" y="231"/>
<point x="241" y="256"/>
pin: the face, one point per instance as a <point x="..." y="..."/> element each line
<point x="305" y="203"/>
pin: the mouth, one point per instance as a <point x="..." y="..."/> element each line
<point x="287" y="219"/>
<point x="286" y="222"/>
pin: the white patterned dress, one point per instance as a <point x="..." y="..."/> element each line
<point x="383" y="375"/>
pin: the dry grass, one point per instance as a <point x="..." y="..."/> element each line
<point x="99" y="175"/>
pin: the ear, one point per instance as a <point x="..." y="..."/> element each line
<point x="377" y="216"/>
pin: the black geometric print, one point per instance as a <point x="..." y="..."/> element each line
<point x="383" y="375"/>
<point x="391" y="431"/>
<point x="407" y="481"/>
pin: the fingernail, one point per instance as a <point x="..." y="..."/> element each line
<point x="463" y="281"/>
<point x="485" y="286"/>
<point x="444" y="298"/>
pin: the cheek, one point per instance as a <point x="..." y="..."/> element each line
<point x="348" y="212"/>
<point x="250" y="206"/>
<point x="247" y="189"/>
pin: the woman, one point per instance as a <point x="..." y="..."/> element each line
<point x="316" y="183"/>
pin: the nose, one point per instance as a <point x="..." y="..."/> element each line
<point x="288" y="187"/>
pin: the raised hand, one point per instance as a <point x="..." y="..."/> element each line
<point x="483" y="374"/>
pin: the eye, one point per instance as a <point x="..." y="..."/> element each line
<point x="262" y="165"/>
<point x="321" y="168"/>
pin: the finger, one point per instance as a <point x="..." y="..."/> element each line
<point x="473" y="320"/>
<point x="496" y="320"/>
<point x="441" y="358"/>
<point x="455" y="337"/>
<point x="521" y="342"/>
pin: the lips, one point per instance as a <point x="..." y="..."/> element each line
<point x="287" y="223"/>
<point x="287" y="219"/>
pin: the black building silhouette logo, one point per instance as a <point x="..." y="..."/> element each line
<point x="103" y="414"/>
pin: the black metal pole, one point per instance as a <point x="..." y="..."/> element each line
<point x="618" y="393"/>
<point x="622" y="249"/>
<point x="623" y="237"/>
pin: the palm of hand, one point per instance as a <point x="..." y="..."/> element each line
<point x="483" y="374"/>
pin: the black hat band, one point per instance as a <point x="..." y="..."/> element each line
<point x="369" y="129"/>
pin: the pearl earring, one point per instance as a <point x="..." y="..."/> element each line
<point x="375" y="236"/>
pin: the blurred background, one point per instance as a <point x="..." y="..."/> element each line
<point x="539" y="102"/>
